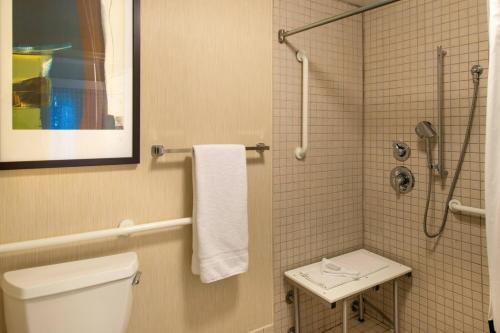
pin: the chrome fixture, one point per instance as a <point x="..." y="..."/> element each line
<point x="401" y="151"/>
<point x="282" y="34"/>
<point x="423" y="131"/>
<point x="402" y="180"/>
<point x="476" y="72"/>
<point x="137" y="278"/>
<point x="160" y="150"/>
<point x="439" y="167"/>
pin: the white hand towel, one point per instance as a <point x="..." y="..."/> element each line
<point x="220" y="217"/>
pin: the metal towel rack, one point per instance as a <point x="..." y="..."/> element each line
<point x="160" y="150"/>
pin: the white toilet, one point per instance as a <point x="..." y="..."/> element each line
<point x="75" y="297"/>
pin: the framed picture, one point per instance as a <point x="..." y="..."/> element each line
<point x="69" y="83"/>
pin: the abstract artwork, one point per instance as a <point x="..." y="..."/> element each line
<point x="71" y="67"/>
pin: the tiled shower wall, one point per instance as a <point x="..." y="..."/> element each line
<point x="340" y="199"/>
<point x="317" y="202"/>
<point x="449" y="288"/>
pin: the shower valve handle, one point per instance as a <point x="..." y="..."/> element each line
<point x="400" y="149"/>
<point x="402" y="180"/>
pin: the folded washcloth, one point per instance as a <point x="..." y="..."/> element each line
<point x="325" y="281"/>
<point x="330" y="268"/>
<point x="220" y="219"/>
<point x="331" y="273"/>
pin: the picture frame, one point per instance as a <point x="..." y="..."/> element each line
<point x="73" y="71"/>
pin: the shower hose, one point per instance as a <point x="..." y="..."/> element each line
<point x="460" y="163"/>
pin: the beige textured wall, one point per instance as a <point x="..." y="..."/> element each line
<point x="317" y="203"/>
<point x="206" y="78"/>
<point x="449" y="288"/>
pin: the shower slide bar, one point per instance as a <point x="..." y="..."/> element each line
<point x="441" y="53"/>
<point x="126" y="228"/>
<point x="457" y="207"/>
<point x="282" y="34"/>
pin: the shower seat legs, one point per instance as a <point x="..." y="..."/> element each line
<point x="395" y="305"/>
<point x="345" y="322"/>
<point x="361" y="315"/>
<point x="296" y="310"/>
<point x="345" y="312"/>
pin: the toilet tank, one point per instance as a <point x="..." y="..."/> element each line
<point x="83" y="296"/>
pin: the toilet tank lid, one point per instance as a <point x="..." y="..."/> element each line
<point x="54" y="279"/>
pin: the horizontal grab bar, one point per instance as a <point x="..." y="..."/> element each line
<point x="126" y="228"/>
<point x="457" y="207"/>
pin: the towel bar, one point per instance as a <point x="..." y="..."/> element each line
<point x="160" y="150"/>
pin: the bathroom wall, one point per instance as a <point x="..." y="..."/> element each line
<point x="206" y="78"/>
<point x="317" y="203"/>
<point x="449" y="288"/>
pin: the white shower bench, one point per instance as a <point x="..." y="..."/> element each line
<point x="392" y="272"/>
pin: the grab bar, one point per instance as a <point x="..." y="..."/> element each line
<point x="457" y="207"/>
<point x="300" y="152"/>
<point x="126" y="228"/>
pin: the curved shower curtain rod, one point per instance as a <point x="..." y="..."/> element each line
<point x="282" y="34"/>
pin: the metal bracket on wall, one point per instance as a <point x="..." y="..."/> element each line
<point x="289" y="297"/>
<point x="292" y="297"/>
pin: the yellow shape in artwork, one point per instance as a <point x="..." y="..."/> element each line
<point x="32" y="89"/>
<point x="26" y="118"/>
<point x="28" y="66"/>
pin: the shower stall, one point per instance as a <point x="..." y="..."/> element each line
<point x="394" y="153"/>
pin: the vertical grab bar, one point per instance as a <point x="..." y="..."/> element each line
<point x="300" y="152"/>
<point x="440" y="96"/>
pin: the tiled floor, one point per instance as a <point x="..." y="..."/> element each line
<point x="370" y="325"/>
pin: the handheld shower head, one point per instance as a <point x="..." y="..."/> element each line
<point x="425" y="130"/>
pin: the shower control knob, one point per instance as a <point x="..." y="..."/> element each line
<point x="402" y="180"/>
<point x="401" y="151"/>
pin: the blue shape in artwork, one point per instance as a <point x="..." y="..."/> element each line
<point x="65" y="110"/>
